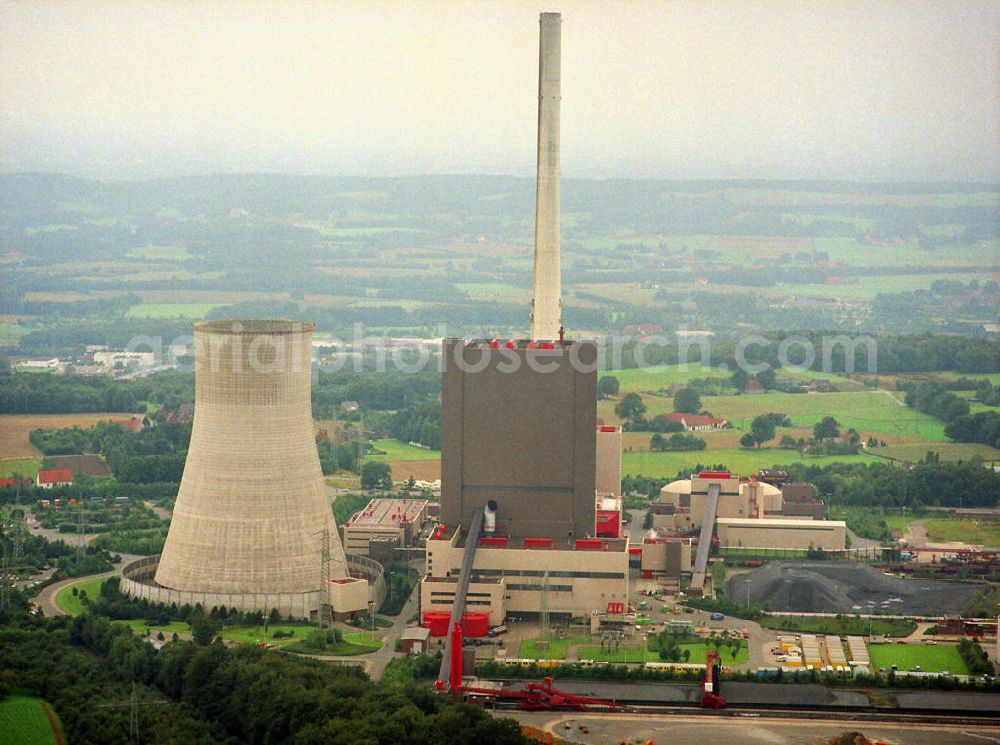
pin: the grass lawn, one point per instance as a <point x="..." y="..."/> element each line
<point x="355" y="642"/>
<point x="26" y="467"/>
<point x="170" y="310"/>
<point x="984" y="532"/>
<point x="139" y="626"/>
<point x="72" y="604"/>
<point x="906" y="657"/>
<point x="738" y="460"/>
<point x="23" y="721"/>
<point x="839" y="626"/>
<point x="635" y="654"/>
<point x="256" y="635"/>
<point x="556" y="650"/>
<point x="396" y="450"/>
<point x="949" y="451"/>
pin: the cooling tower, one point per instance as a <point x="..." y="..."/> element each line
<point x="252" y="507"/>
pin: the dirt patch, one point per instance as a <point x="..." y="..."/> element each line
<point x="92" y="465"/>
<point x="827" y="587"/>
<point x="14" y="429"/>
<point x="424" y="470"/>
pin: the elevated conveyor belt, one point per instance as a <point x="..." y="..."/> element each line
<point x="705" y="539"/>
<point x="462" y="587"/>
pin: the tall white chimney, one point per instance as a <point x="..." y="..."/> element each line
<point x="546" y="304"/>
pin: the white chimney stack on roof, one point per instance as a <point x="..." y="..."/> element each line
<point x="546" y="304"/>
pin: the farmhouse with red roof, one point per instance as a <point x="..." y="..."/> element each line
<point x="48" y="479"/>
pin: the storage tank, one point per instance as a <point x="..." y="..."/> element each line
<point x="252" y="508"/>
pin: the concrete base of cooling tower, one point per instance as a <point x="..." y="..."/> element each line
<point x="364" y="588"/>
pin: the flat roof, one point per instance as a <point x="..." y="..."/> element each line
<point x="418" y="633"/>
<point x="750" y="522"/>
<point x="389" y="513"/>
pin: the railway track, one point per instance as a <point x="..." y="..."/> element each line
<point x="840" y="714"/>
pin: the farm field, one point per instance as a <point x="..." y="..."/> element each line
<point x="161" y="253"/>
<point x="23" y="721"/>
<point x="949" y="451"/>
<point x="15" y="428"/>
<point x="424" y="470"/>
<point x="909" y="656"/>
<point x="26" y="467"/>
<point x="170" y="310"/>
<point x="981" y="532"/>
<point x="738" y="460"/>
<point x="394" y="450"/>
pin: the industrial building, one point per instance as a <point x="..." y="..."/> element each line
<point x="396" y="522"/>
<point x="252" y="526"/>
<point x="530" y="485"/>
<point x="749" y="514"/>
<point x="520" y="437"/>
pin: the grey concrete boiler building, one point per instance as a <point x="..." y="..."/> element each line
<point x="252" y="526"/>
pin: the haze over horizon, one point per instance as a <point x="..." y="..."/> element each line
<point x="907" y="90"/>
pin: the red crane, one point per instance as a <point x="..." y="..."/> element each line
<point x="542" y="696"/>
<point x="711" y="696"/>
<point x="534" y="696"/>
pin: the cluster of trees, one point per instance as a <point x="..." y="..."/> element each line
<point x="154" y="454"/>
<point x="212" y="694"/>
<point x="334" y="457"/>
<point x="376" y="474"/>
<point x="375" y="391"/>
<point x="607" y="386"/>
<point x="935" y="399"/>
<point x="676" y="441"/>
<point x="974" y="657"/>
<point x="34" y="393"/>
<point x="763" y="429"/>
<point x="419" y="423"/>
<point x="903" y="353"/>
<point x="873" y="485"/>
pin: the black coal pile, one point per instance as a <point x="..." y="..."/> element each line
<point x="843" y="587"/>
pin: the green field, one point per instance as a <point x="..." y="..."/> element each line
<point x="490" y="290"/>
<point x="983" y="532"/>
<point x="71" y="604"/>
<point x="556" y="650"/>
<point x="355" y="643"/>
<point x="635" y="654"/>
<point x="949" y="451"/>
<point x="168" y="253"/>
<point x="396" y="450"/>
<point x="660" y="376"/>
<point x="869" y="412"/>
<point x="738" y="460"/>
<point x="26" y="467"/>
<point x="909" y="656"/>
<point x="23" y="721"/>
<point x="170" y="310"/>
<point x="10" y="334"/>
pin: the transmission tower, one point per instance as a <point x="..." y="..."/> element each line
<point x="18" y="528"/>
<point x="361" y="444"/>
<point x="324" y="574"/>
<point x="543" y="612"/>
<point x="81" y="544"/>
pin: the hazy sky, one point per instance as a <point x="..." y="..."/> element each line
<point x="828" y="89"/>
